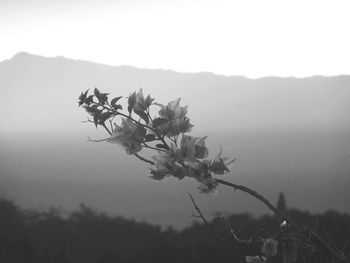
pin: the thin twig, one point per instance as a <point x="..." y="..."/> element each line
<point x="104" y="126"/>
<point x="144" y="159"/>
<point x="93" y="140"/>
<point x="201" y="215"/>
<point x="153" y="148"/>
<point x="111" y="124"/>
<point x="88" y="120"/>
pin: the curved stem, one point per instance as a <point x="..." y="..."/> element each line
<point x="153" y="148"/>
<point x="144" y="159"/>
<point x="262" y="199"/>
<point x="312" y="236"/>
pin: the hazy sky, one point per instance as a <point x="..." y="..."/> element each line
<point x="252" y="37"/>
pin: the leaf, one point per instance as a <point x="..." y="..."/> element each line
<point x="86" y="92"/>
<point x="92" y="110"/>
<point x="96" y="118"/>
<point x="188" y="147"/>
<point x="89" y="99"/>
<point x="200" y="150"/>
<point x="132" y="100"/>
<point x="105" y="116"/>
<point x="82" y="98"/>
<point x="149" y="138"/>
<point x="97" y="93"/>
<point x="140" y="133"/>
<point x="158" y="174"/>
<point x="162" y="146"/>
<point x="117" y="107"/>
<point x="149" y="101"/>
<point x="159" y="121"/>
<point x="142" y="115"/>
<point x="103" y="98"/>
<point x="115" y="100"/>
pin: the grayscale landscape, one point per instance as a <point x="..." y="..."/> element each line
<point x="288" y="134"/>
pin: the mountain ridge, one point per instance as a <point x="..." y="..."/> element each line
<point x="267" y="103"/>
<point x="24" y="54"/>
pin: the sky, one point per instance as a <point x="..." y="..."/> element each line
<point x="252" y="38"/>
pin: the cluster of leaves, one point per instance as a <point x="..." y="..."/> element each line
<point x="178" y="154"/>
<point x="287" y="246"/>
<point x="98" y="107"/>
<point x="181" y="155"/>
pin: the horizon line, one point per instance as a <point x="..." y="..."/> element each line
<point x="26" y="53"/>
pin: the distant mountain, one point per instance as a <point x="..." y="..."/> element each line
<point x="33" y="86"/>
<point x="288" y="134"/>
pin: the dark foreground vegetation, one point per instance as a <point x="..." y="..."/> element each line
<point x="91" y="237"/>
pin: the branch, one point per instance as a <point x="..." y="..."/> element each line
<point x="312" y="236"/>
<point x="261" y="198"/>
